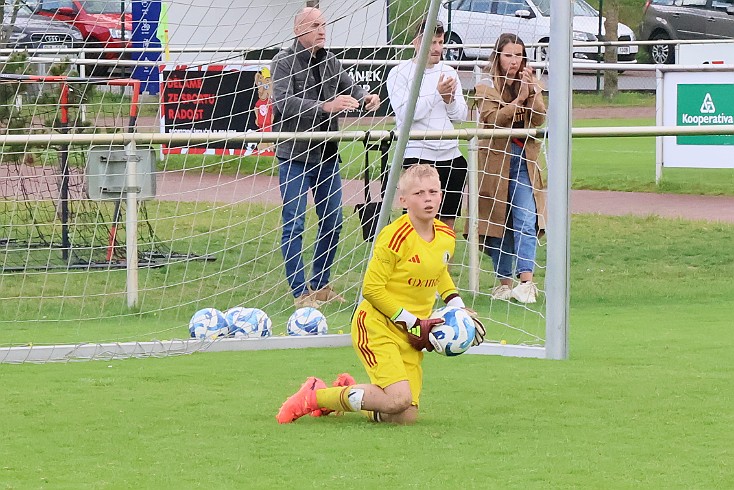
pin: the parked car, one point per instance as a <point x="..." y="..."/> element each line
<point x="31" y="31"/>
<point x="684" y="19"/>
<point x="103" y="23"/>
<point x="482" y="21"/>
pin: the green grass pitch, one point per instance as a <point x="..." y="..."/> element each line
<point x="643" y="402"/>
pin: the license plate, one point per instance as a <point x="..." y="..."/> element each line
<point x="54" y="46"/>
<point x="623" y="50"/>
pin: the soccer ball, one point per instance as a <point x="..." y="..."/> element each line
<point x="248" y="322"/>
<point x="208" y="323"/>
<point x="307" y="321"/>
<point x="456" y="334"/>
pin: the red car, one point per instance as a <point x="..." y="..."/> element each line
<point x="100" y="22"/>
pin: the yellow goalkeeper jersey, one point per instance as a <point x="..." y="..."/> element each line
<point x="406" y="271"/>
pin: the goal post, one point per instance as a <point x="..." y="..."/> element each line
<point x="559" y="120"/>
<point x="211" y="233"/>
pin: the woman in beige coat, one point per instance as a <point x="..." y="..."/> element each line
<point x="511" y="196"/>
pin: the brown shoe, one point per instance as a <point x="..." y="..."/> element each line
<point x="307" y="300"/>
<point x="326" y="295"/>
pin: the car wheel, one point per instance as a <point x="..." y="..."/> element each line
<point x="661" y="54"/>
<point x="455" y="53"/>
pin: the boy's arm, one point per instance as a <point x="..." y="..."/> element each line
<point x="379" y="271"/>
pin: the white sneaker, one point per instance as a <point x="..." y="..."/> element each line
<point x="501" y="292"/>
<point x="525" y="292"/>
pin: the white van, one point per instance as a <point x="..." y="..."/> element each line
<point x="482" y="22"/>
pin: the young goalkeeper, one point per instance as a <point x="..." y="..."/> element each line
<point x="391" y="325"/>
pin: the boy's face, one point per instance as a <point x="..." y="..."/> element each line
<point x="422" y="197"/>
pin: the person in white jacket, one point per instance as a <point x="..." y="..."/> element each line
<point x="440" y="103"/>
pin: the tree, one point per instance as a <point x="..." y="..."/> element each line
<point x="611" y="24"/>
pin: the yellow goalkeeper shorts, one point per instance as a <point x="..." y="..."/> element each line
<point x="384" y="350"/>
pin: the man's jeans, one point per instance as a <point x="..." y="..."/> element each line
<point x="295" y="180"/>
<point x="520" y="239"/>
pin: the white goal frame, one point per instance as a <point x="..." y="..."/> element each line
<point x="556" y="322"/>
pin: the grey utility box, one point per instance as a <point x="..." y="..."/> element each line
<point x="106" y="173"/>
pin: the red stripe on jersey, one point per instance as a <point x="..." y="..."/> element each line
<point x="368" y="355"/>
<point x="447" y="230"/>
<point x="393" y="245"/>
<point x="401" y="239"/>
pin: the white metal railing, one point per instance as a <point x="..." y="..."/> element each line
<point x="371" y="135"/>
<point x="47" y="55"/>
<point x="246" y="49"/>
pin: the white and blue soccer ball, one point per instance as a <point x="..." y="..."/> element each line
<point x="456" y="334"/>
<point x="307" y="321"/>
<point x="208" y="323"/>
<point x="248" y="322"/>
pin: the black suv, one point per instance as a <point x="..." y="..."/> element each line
<point x="31" y="31"/>
<point x="685" y="19"/>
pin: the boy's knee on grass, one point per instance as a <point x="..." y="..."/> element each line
<point x="408" y="416"/>
<point x="398" y="402"/>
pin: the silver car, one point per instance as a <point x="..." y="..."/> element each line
<point x="482" y="22"/>
<point x="685" y="19"/>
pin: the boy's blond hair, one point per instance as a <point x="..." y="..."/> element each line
<point x="416" y="172"/>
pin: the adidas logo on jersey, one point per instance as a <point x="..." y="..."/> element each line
<point x="415" y="259"/>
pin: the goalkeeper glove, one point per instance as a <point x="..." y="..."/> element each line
<point x="479" y="330"/>
<point x="418" y="333"/>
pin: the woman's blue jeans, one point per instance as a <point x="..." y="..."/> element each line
<point x="296" y="178"/>
<point x="520" y="237"/>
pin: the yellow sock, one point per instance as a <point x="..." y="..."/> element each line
<point x="336" y="398"/>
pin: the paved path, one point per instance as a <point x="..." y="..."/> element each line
<point x="150" y="124"/>
<point x="194" y="186"/>
<point x="693" y="207"/>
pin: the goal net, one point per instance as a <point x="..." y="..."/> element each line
<point x="211" y="233"/>
<point x="49" y="221"/>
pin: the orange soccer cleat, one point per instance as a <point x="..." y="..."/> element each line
<point x="301" y="403"/>
<point x="344" y="379"/>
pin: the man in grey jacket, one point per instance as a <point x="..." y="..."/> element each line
<point x="311" y="90"/>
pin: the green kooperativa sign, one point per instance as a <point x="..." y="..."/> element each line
<point x="705" y="105"/>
